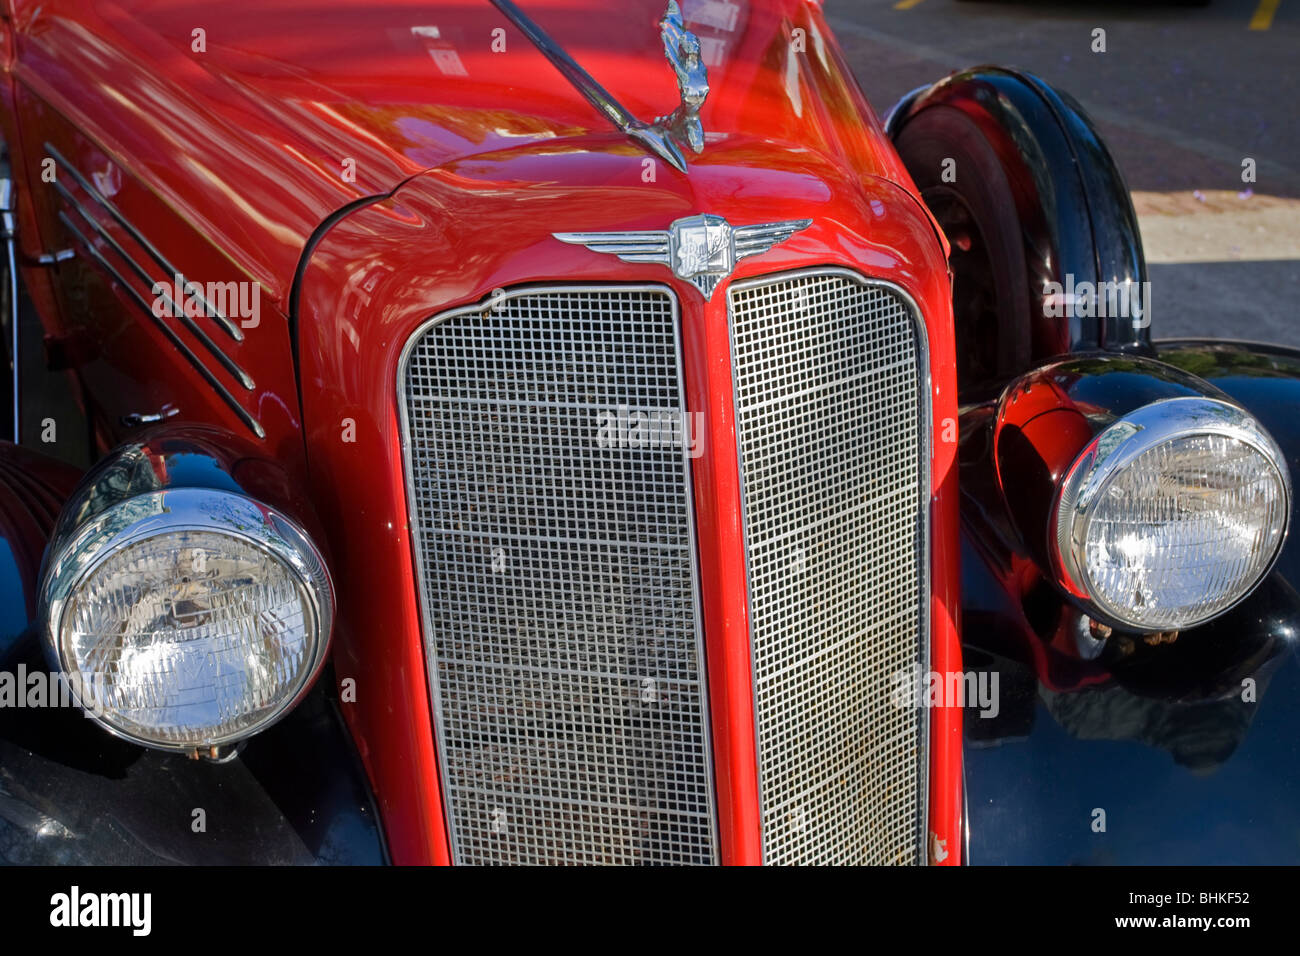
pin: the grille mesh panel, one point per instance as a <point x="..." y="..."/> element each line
<point x="559" y="584"/>
<point x="827" y="378"/>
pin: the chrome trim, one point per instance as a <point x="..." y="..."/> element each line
<point x="702" y="250"/>
<point x="486" y="306"/>
<point x="1115" y="448"/>
<point x="166" y="511"/>
<point x="965" y="815"/>
<point x="231" y="328"/>
<point x="8" y="232"/>
<point x="138" y="419"/>
<point x="925" y="424"/>
<point x="655" y="138"/>
<point x="682" y="48"/>
<point x="244" y="415"/>
<point x="176" y="311"/>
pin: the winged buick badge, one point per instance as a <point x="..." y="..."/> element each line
<point x="703" y="250"/>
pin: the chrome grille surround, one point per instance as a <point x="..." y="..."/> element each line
<point x="558" y="580"/>
<point x="832" y="399"/>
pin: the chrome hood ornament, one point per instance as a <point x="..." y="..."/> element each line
<point x="682" y="47"/>
<point x="683" y="51"/>
<point x="703" y="250"/>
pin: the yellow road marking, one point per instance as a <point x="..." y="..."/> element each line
<point x="1263" y="18"/>
<point x="909" y="4"/>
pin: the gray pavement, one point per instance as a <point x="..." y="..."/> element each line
<point x="1182" y="95"/>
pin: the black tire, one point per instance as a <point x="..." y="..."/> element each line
<point x="1033" y="205"/>
<point x="977" y="211"/>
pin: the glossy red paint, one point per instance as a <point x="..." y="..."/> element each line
<point x="76" y="67"/>
<point x="385" y="269"/>
<point x="706" y="351"/>
<point x="247" y="139"/>
<point x="1038" y="433"/>
<point x="946" y="779"/>
<point x="235" y="149"/>
<point x="233" y="156"/>
<point x="1054" y="424"/>
<point x="1037" y="429"/>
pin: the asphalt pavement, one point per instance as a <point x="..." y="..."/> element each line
<point x="1183" y="96"/>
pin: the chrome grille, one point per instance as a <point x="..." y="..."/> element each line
<point x="831" y="394"/>
<point x="557" y="566"/>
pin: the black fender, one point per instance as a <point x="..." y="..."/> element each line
<point x="1073" y="207"/>
<point x="1123" y="751"/>
<point x="72" y="793"/>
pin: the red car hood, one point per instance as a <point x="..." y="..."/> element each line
<point x="256" y="121"/>
<point x="406" y="85"/>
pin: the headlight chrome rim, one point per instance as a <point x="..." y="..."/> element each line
<point x="1119" y="446"/>
<point x="170" y="511"/>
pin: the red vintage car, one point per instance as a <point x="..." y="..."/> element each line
<point x="567" y="432"/>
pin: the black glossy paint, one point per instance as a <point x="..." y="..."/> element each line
<point x="1158" y="736"/>
<point x="71" y="793"/>
<point x="1111" y="385"/>
<point x="1075" y="211"/>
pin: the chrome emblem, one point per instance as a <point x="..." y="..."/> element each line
<point x="682" y="47"/>
<point x="703" y="250"/>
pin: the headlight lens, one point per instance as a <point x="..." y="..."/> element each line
<point x="189" y="618"/>
<point x="1172" y="514"/>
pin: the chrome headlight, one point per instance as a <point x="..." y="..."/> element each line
<point x="1172" y="514"/>
<point x="188" y="618"/>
